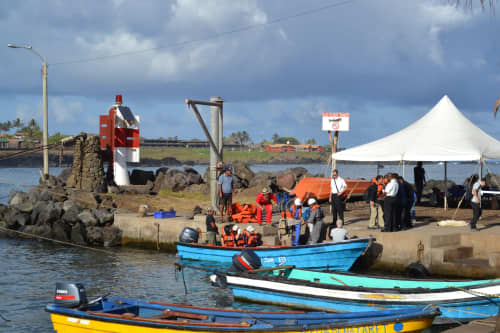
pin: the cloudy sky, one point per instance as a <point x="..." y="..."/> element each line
<point x="277" y="64"/>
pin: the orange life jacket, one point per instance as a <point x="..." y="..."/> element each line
<point x="294" y="211"/>
<point x="227" y="239"/>
<point x="251" y="239"/>
<point x="240" y="241"/>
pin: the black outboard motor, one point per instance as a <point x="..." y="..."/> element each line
<point x="246" y="260"/>
<point x="70" y="295"/>
<point x="189" y="235"/>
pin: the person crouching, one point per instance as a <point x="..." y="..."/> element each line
<point x="265" y="201"/>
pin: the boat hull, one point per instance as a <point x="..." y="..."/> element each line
<point x="459" y="302"/>
<point x="118" y="319"/>
<point x="325" y="256"/>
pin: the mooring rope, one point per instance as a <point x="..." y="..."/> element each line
<point x="56" y="241"/>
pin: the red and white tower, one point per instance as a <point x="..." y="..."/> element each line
<point x="119" y="134"/>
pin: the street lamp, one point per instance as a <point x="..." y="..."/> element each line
<point x="45" y="140"/>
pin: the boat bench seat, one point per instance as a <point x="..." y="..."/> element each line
<point x="174" y="315"/>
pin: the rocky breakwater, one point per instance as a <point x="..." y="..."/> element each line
<point x="68" y="208"/>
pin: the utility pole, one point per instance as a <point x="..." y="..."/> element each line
<point x="45" y="138"/>
<point x="214" y="139"/>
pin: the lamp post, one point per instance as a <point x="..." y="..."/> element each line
<point x="45" y="140"/>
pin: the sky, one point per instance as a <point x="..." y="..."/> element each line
<point x="278" y="64"/>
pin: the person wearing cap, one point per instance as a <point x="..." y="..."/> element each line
<point x="226" y="189"/>
<point x="238" y="236"/>
<point x="211" y="227"/>
<point x="250" y="237"/>
<point x="315" y="221"/>
<point x="338" y="187"/>
<point x="265" y="200"/>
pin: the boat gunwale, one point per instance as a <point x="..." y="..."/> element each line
<point x="319" y="285"/>
<point x="66" y="312"/>
<point x="275" y="247"/>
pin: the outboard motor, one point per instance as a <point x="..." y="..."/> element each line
<point x="246" y="260"/>
<point x="189" y="235"/>
<point x="70" y="295"/>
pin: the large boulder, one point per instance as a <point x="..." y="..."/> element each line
<point x="493" y="180"/>
<point x="192" y="176"/>
<point x="17" y="198"/>
<point x="160" y="170"/>
<point x="50" y="213"/>
<point x="64" y="175"/>
<point x="34" y="194"/>
<point x="87" y="218"/>
<point x="16" y="219"/>
<point x="438" y="184"/>
<point x="103" y="216"/>
<point x="70" y="215"/>
<point x="79" y="234"/>
<point x="286" y="181"/>
<point x="43" y="230"/>
<point x="299" y="172"/>
<point x="84" y="199"/>
<point x="141" y="177"/>
<point x="174" y="180"/>
<point x="242" y="175"/>
<point x="95" y="235"/>
<point x="111" y="236"/>
<point x="61" y="231"/>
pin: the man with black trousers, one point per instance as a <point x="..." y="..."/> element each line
<point x="336" y="200"/>
<point x="390" y="203"/>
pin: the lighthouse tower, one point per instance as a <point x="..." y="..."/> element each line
<point x="119" y="134"/>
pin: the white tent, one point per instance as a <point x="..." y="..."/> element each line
<point x="443" y="134"/>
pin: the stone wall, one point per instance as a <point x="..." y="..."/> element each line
<point x="87" y="172"/>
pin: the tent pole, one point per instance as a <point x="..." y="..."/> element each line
<point x="403" y="169"/>
<point x="481" y="168"/>
<point x="445" y="185"/>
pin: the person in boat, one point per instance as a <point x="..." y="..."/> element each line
<point x="250" y="237"/>
<point x="419" y="178"/>
<point x="296" y="209"/>
<point x="475" y="202"/>
<point x="315" y="221"/>
<point x="390" y="202"/>
<point x="238" y="236"/>
<point x="226" y="190"/>
<point x="338" y="187"/>
<point x="339" y="234"/>
<point x="376" y="211"/>
<point x="228" y="236"/>
<point x="265" y="200"/>
<point x="212" y="230"/>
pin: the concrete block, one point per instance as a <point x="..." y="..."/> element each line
<point x="445" y="240"/>
<point x="494" y="259"/>
<point x="458" y="253"/>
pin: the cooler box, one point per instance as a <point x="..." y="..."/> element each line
<point x="163" y="215"/>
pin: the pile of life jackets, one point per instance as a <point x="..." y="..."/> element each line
<point x="244" y="214"/>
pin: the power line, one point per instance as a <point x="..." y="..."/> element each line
<point x="215" y="36"/>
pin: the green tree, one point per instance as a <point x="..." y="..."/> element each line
<point x="275" y="138"/>
<point x="241" y="138"/>
<point x="33" y="132"/>
<point x="311" y="141"/>
<point x="288" y="140"/>
<point x="17" y="123"/>
<point x="57" y="137"/>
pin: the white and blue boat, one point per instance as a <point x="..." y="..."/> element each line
<point x="324" y="256"/>
<point x="346" y="292"/>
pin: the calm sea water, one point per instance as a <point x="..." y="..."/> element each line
<point x="29" y="269"/>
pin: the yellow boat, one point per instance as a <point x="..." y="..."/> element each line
<point x="71" y="313"/>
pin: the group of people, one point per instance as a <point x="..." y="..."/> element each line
<point x="390" y="198"/>
<point x="232" y="235"/>
<point x="264" y="200"/>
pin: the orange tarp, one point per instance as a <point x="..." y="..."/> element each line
<point x="319" y="187"/>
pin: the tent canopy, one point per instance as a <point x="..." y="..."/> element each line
<point x="442" y="134"/>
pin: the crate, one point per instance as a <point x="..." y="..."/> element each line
<point x="164" y="215"/>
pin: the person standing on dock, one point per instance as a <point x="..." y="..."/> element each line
<point x="316" y="220"/>
<point x="212" y="230"/>
<point x="476" y="200"/>
<point x="265" y="201"/>
<point x="390" y="203"/>
<point x="376" y="211"/>
<point x="419" y="178"/>
<point x="226" y="189"/>
<point x="338" y="188"/>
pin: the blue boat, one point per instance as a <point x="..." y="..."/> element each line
<point x="346" y="292"/>
<point x="324" y="256"/>
<point x="113" y="314"/>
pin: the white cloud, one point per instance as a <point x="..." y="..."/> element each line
<point x="65" y="111"/>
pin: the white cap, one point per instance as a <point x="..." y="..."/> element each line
<point x="250" y="228"/>
<point x="297" y="202"/>
<point x="311" y="201"/>
<point x="235" y="227"/>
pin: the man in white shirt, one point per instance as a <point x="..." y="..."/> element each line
<point x="476" y="200"/>
<point x="336" y="200"/>
<point x="338" y="234"/>
<point x="390" y="202"/>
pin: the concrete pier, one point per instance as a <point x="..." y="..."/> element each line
<point x="160" y="234"/>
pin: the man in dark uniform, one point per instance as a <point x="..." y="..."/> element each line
<point x="419" y="177"/>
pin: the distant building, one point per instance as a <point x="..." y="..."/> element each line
<point x="280" y="148"/>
